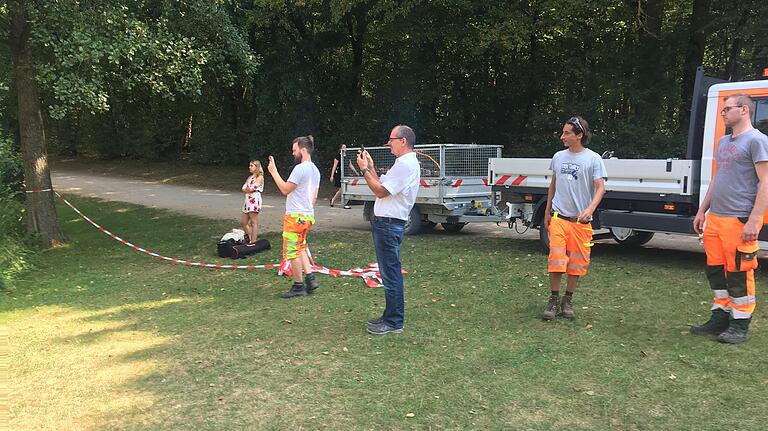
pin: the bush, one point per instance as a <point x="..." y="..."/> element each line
<point x="13" y="251"/>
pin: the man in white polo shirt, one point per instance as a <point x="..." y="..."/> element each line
<point x="301" y="193"/>
<point x="395" y="195"/>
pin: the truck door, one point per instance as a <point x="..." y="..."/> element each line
<point x="715" y="128"/>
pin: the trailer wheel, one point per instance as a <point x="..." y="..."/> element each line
<point x="368" y="212"/>
<point x="630" y="237"/>
<point x="453" y="227"/>
<point x="413" y="224"/>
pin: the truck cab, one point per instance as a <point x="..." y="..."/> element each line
<point x="643" y="196"/>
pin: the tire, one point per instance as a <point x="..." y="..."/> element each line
<point x="413" y="224"/>
<point x="368" y="212"/>
<point x="631" y="237"/>
<point x="453" y="227"/>
<point x="428" y="225"/>
<point x="544" y="238"/>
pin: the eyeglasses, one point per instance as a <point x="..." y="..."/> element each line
<point x="574" y="121"/>
<point x="390" y="139"/>
<point x="727" y="109"/>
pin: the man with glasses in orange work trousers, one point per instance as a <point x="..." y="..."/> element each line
<point x="395" y="196"/>
<point x="578" y="185"/>
<point x="736" y="199"/>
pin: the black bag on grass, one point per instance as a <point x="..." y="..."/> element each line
<point x="240" y="251"/>
<point x="225" y="248"/>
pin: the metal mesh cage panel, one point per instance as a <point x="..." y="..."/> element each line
<point x="469" y="161"/>
<point x="456" y="161"/>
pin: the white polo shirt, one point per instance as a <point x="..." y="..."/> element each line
<point x="402" y="182"/>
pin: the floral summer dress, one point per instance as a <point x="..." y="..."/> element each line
<point x="252" y="202"/>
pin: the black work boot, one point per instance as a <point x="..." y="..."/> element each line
<point x="736" y="333"/>
<point x="297" y="289"/>
<point x="716" y="325"/>
<point x="311" y="283"/>
<point x="566" y="307"/>
<point x="551" y="310"/>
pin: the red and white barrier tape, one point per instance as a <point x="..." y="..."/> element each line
<point x="370" y="275"/>
<point x="38" y="190"/>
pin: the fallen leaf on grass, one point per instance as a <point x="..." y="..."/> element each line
<point x="409" y="415"/>
<point x="672" y="377"/>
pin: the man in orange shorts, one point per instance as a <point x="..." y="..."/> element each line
<point x="301" y="193"/>
<point x="736" y="199"/>
<point x="578" y="185"/>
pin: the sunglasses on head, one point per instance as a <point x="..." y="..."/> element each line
<point x="574" y="121"/>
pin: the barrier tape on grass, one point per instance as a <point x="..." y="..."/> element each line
<point x="370" y="275"/>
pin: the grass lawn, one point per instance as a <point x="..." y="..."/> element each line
<point x="102" y="337"/>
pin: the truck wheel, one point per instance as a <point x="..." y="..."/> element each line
<point x="453" y="227"/>
<point x="368" y="212"/>
<point x="413" y="224"/>
<point x="630" y="237"/>
<point x="544" y="238"/>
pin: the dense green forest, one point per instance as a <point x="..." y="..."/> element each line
<point x="221" y="81"/>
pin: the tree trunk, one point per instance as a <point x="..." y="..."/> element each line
<point x="651" y="69"/>
<point x="697" y="38"/>
<point x="734" y="58"/>
<point x="41" y="217"/>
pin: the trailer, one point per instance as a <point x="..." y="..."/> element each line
<point x="453" y="189"/>
<point x="643" y="196"/>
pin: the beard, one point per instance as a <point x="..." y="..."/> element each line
<point x="297" y="159"/>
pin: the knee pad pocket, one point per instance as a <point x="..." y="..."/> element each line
<point x="746" y="257"/>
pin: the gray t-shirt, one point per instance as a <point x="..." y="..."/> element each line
<point x="736" y="182"/>
<point x="575" y="175"/>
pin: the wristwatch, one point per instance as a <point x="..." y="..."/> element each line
<point x="364" y="171"/>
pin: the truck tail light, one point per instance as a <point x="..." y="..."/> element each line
<point x="669" y="207"/>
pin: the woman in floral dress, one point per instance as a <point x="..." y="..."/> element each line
<point x="252" y="188"/>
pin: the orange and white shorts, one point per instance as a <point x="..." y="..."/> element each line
<point x="570" y="244"/>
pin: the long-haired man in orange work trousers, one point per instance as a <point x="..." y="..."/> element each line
<point x="736" y="199"/>
<point x="578" y="185"/>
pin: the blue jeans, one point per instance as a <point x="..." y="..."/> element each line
<point x="387" y="237"/>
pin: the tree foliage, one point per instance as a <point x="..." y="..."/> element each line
<point x="222" y="81"/>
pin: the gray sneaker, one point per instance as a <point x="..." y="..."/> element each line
<point x="566" y="307"/>
<point x="382" y="329"/>
<point x="374" y="322"/>
<point x="551" y="310"/>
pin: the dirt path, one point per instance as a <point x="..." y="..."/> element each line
<point x="226" y="204"/>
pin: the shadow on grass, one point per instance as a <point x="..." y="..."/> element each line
<point x="139" y="343"/>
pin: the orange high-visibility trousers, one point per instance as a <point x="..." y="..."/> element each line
<point x="569" y="246"/>
<point x="731" y="266"/>
<point x="295" y="229"/>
